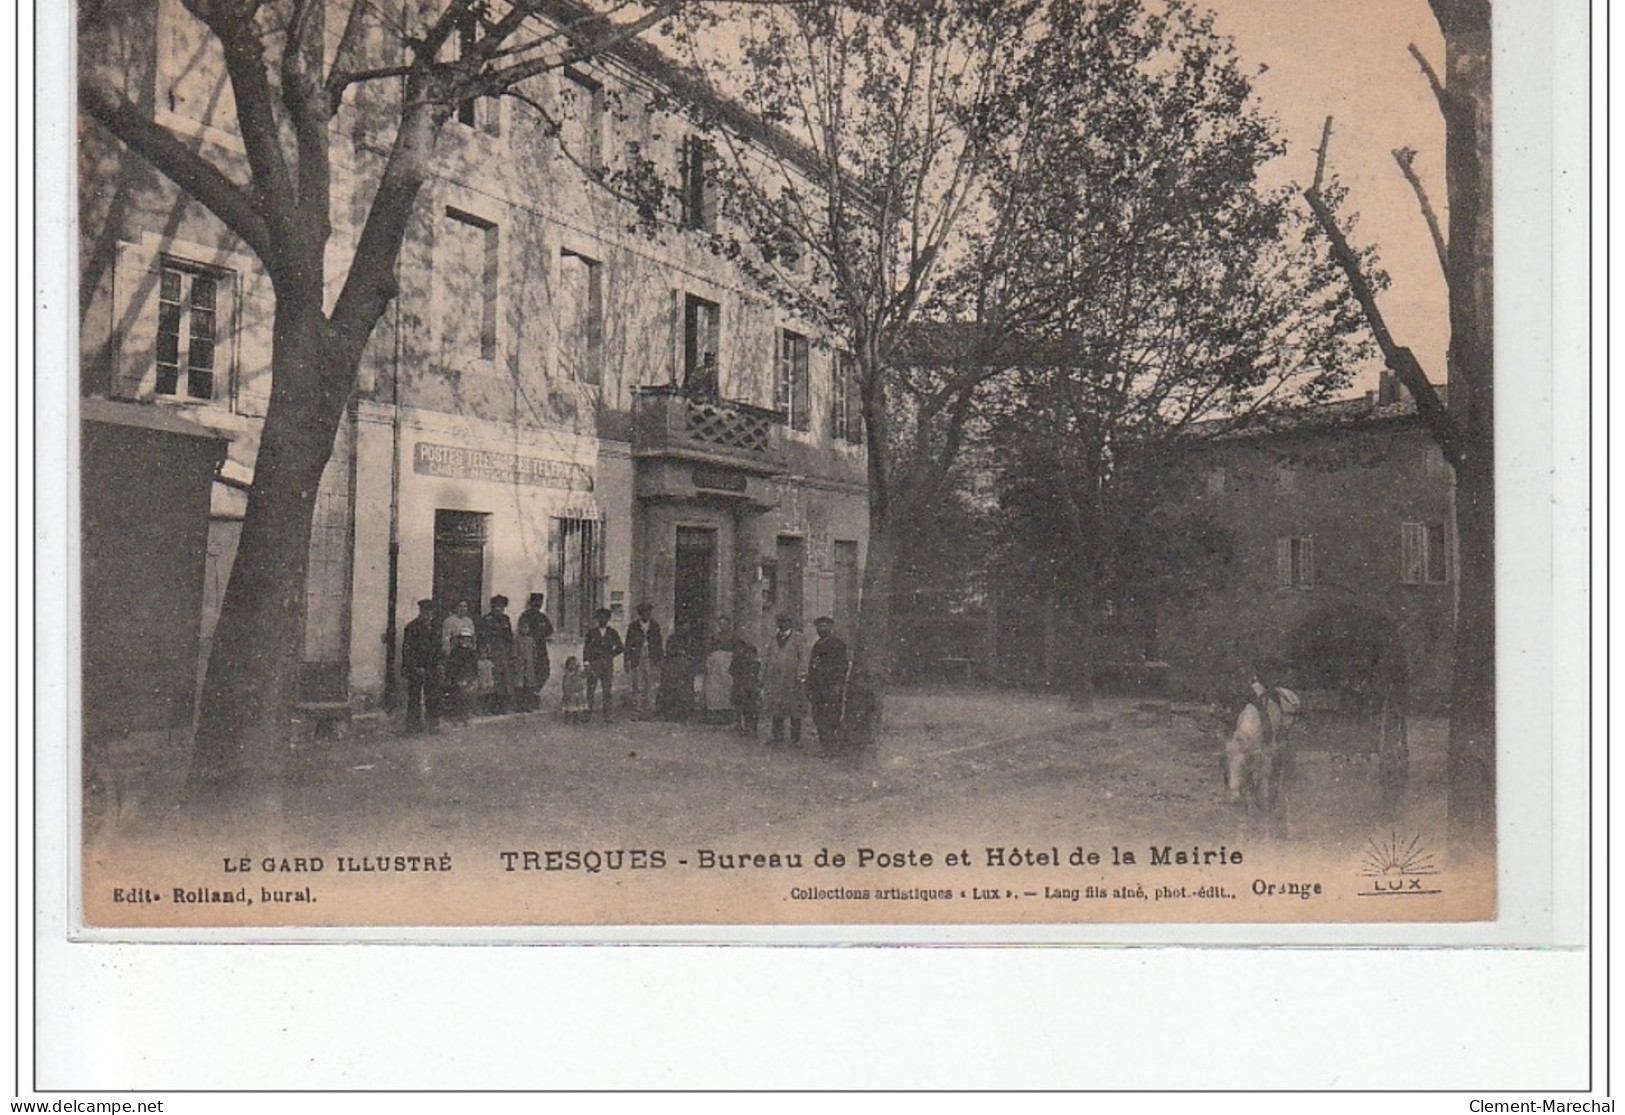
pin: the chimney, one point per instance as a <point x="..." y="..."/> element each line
<point x="1390" y="390"/>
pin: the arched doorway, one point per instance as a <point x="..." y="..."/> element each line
<point x="1356" y="654"/>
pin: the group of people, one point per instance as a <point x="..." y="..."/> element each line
<point x="720" y="678"/>
<point x="451" y="664"/>
<point x="454" y="663"/>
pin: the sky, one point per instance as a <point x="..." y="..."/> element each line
<point x="1348" y="59"/>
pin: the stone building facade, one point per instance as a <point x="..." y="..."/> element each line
<point x="556" y="402"/>
<point x="1343" y="572"/>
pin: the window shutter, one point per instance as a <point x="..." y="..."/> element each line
<point x="781" y="375"/>
<point x="1283" y="562"/>
<point x="135" y="293"/>
<point x="854" y="401"/>
<point x="678" y="303"/>
<point x="837" y="391"/>
<point x="1306" y="562"/>
<point x="1411" y="556"/>
<point x="800" y="373"/>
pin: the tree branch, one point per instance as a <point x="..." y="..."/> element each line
<point x="1399" y="359"/>
<point x="1440" y="93"/>
<point x="251" y="85"/>
<point x="1405" y="157"/>
<point x="194" y="174"/>
<point x="498" y="80"/>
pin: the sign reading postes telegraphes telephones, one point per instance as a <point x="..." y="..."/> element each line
<point x="429" y="459"/>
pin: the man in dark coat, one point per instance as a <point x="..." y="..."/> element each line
<point x="598" y="653"/>
<point x="644" y="651"/>
<point x="496" y="647"/>
<point x="531" y="663"/>
<point x="420" y="667"/>
<point x="826" y="683"/>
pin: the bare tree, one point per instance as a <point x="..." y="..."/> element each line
<point x="290" y="65"/>
<point x="1465" y="428"/>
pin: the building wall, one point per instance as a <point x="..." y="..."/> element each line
<point x="467" y="399"/>
<point x="1349" y="489"/>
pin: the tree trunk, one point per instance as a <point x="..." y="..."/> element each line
<point x="874" y="640"/>
<point x="1471" y="749"/>
<point x="1085" y="652"/>
<point x="243" y="719"/>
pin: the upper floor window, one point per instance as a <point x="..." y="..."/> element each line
<point x="790" y="387"/>
<point x="697" y="205"/>
<point x="702" y="322"/>
<point x="468" y="262"/>
<point x="1295" y="562"/>
<point x="484" y="113"/>
<point x="189" y="304"/>
<point x="581" y="119"/>
<point x="581" y="317"/>
<point x="1424" y="557"/>
<point x="191" y="71"/>
<point x="846" y="409"/>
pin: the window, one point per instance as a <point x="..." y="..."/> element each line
<point x="1424" y="556"/>
<point x="576" y="573"/>
<point x="697" y="209"/>
<point x="192" y="86"/>
<point x="1295" y="562"/>
<point x="846" y="408"/>
<point x="702" y="322"/>
<point x="581" y="119"/>
<point x="469" y="268"/>
<point x="188" y="330"/>
<point x="1218" y="481"/>
<point x="581" y="317"/>
<point x="790" y="385"/>
<point x="483" y="113"/>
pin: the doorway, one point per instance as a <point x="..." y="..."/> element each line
<point x="694" y="588"/>
<point x="459" y="558"/>
<point x="792" y="572"/>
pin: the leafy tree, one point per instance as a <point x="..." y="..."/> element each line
<point x="290" y="65"/>
<point x="900" y="105"/>
<point x="1155" y="282"/>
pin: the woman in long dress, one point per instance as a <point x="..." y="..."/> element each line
<point x="718" y="688"/>
<point x="675" y="698"/>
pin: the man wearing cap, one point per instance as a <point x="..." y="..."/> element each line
<point x="645" y="649"/>
<point x="826" y="683"/>
<point x="598" y="653"/>
<point x="420" y="667"/>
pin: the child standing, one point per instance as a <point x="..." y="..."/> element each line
<point x="574" y="683"/>
<point x="746" y="695"/>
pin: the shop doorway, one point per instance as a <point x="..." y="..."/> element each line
<point x="792" y="572"/>
<point x="459" y="558"/>
<point x="694" y="592"/>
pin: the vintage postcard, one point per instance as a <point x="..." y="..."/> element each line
<point x="590" y="468"/>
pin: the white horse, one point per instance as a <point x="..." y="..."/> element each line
<point x="1257" y="757"/>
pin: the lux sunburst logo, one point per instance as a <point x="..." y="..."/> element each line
<point x="1397" y="866"/>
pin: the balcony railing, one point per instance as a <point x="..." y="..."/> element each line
<point x="668" y="422"/>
